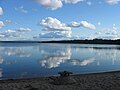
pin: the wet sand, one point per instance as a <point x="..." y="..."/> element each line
<point x="94" y="81"/>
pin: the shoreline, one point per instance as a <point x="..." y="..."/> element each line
<point x="94" y="41"/>
<point x="92" y="81"/>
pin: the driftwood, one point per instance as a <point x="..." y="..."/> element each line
<point x="65" y="73"/>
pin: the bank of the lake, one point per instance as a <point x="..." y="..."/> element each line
<point x="94" y="81"/>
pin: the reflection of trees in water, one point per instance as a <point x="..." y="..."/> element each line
<point x="17" y="51"/>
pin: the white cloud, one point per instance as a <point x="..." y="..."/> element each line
<point x="107" y="33"/>
<point x="21" y="9"/>
<point x="83" y="24"/>
<point x="53" y="24"/>
<point x="23" y="29"/>
<point x="10" y="34"/>
<point x="9" y="22"/>
<point x="87" y="25"/>
<point x="56" y="34"/>
<point x="10" y="31"/>
<point x="53" y="28"/>
<point x="14" y="33"/>
<point x="1" y="24"/>
<point x="72" y="1"/>
<point x="52" y="4"/>
<point x="55" y="4"/>
<point x="74" y="24"/>
<point x="2" y="35"/>
<point x="112" y="1"/>
<point x="1" y="11"/>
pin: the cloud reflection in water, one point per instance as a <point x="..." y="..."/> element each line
<point x="55" y="55"/>
<point x="1" y="60"/>
<point x="64" y="55"/>
<point x="17" y="51"/>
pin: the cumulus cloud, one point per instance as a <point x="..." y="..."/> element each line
<point x="112" y="1"/>
<point x="1" y="24"/>
<point x="54" y="28"/>
<point x="83" y="24"/>
<point x="52" y="4"/>
<point x="53" y="24"/>
<point x="1" y="11"/>
<point x="21" y="9"/>
<point x="55" y="4"/>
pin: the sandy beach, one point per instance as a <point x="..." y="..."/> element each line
<point x="94" y="81"/>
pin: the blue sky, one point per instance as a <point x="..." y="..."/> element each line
<point x="59" y="19"/>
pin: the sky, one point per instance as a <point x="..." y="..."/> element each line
<point x="59" y="19"/>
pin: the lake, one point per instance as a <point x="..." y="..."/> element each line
<point x="46" y="59"/>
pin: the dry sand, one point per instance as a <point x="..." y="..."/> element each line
<point x="95" y="81"/>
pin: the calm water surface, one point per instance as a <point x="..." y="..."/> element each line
<point x="34" y="60"/>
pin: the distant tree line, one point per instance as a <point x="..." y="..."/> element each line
<point x="94" y="41"/>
